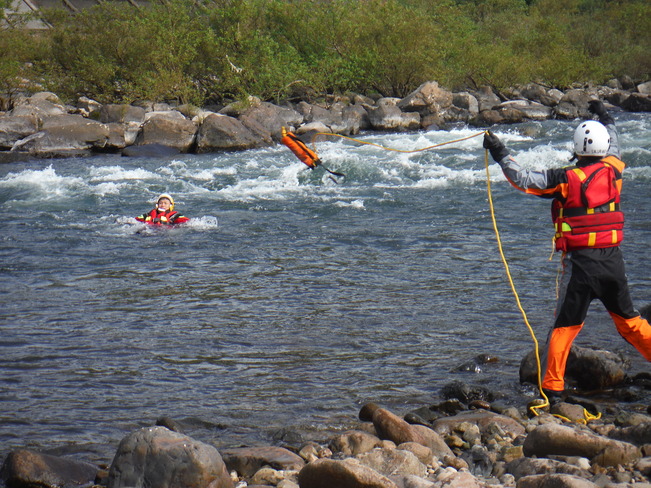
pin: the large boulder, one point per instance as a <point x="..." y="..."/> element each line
<point x="500" y="115"/>
<point x="42" y="104"/>
<point x="355" y="118"/>
<point x="531" y="110"/>
<point x="486" y="98"/>
<point x="617" y="97"/>
<point x="573" y="104"/>
<point x="257" y="129"/>
<point x="483" y="419"/>
<point x="221" y="132"/>
<point x="24" y="468"/>
<point x="427" y="99"/>
<point x="635" y="434"/>
<point x="340" y="118"/>
<point x="157" y="457"/>
<point x="316" y="113"/>
<point x="393" y="461"/>
<point x="65" y="135"/>
<point x="588" y="369"/>
<point x="391" y="427"/>
<point x="354" y="442"/>
<point x="14" y="128"/>
<point x="387" y="116"/>
<point x="466" y="101"/>
<point x="644" y="88"/>
<point x="273" y="118"/>
<point x="121" y="113"/>
<point x="349" y="473"/>
<point x="540" y="94"/>
<point x="566" y="110"/>
<point x="555" y="481"/>
<point x="553" y="439"/>
<point x="248" y="460"/>
<point x="168" y="128"/>
<point x="526" y="466"/>
<point x="119" y="137"/>
<point x="637" y="102"/>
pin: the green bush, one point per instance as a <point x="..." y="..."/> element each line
<point x="223" y="50"/>
<point x="112" y="54"/>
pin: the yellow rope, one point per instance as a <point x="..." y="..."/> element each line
<point x="588" y="416"/>
<point x="533" y="408"/>
<point x="390" y="148"/>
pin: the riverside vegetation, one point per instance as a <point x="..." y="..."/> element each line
<point x="211" y="52"/>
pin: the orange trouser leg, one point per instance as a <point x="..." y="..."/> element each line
<point x="636" y="331"/>
<point x="558" y="350"/>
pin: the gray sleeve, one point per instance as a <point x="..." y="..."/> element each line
<point x="523" y="178"/>
<point x="614" y="149"/>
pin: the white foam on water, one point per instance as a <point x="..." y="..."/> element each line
<point x="357" y="204"/>
<point x="118" y="173"/>
<point x="105" y="189"/>
<point x="275" y="184"/>
<point x="42" y="184"/>
<point x="209" y="174"/>
<point x="638" y="173"/>
<point x="542" y="157"/>
<point x="206" y="222"/>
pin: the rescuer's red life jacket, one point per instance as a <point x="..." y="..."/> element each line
<point x="590" y="216"/>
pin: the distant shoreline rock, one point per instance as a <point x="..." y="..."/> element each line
<point x="41" y="126"/>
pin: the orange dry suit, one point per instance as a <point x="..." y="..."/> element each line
<point x="157" y="217"/>
<point x="588" y="227"/>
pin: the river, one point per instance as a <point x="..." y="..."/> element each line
<point x="288" y="301"/>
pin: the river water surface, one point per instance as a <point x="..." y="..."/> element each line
<point x="288" y="301"/>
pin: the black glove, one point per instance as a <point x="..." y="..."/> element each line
<point x="495" y="146"/>
<point x="597" y="107"/>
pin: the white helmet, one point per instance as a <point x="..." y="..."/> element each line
<point x="169" y="197"/>
<point x="591" y="138"/>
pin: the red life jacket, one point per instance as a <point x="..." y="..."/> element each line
<point x="169" y="217"/>
<point x="590" y="217"/>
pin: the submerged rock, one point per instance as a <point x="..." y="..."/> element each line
<point x="588" y="369"/>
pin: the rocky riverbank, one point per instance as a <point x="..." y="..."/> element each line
<point x="42" y="126"/>
<point x="469" y="439"/>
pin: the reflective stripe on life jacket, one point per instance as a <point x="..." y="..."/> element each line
<point x="590" y="215"/>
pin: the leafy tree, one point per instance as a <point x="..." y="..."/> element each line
<point x="219" y="50"/>
<point x="115" y="53"/>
